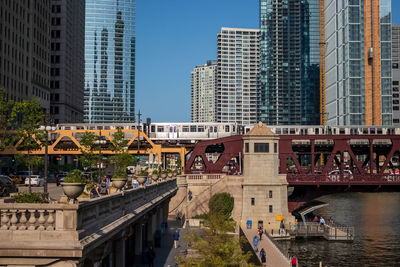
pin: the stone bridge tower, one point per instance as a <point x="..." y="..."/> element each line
<point x="264" y="189"/>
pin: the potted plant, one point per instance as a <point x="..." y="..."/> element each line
<point x="169" y="173"/>
<point x="164" y="173"/>
<point x="143" y="174"/>
<point x="174" y="172"/>
<point x="119" y="179"/>
<point x="74" y="184"/>
<point x="154" y="175"/>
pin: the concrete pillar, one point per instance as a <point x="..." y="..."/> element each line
<point x="120" y="251"/>
<point x="150" y="228"/>
<point x="138" y="239"/>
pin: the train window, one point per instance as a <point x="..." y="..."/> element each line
<point x="192" y="128"/>
<point x="278" y="131"/>
<point x="372" y="131"/>
<point x="285" y="131"/>
<point x="140" y="127"/>
<point x="365" y="131"/>
<point x="233" y="128"/>
<point x="67" y="128"/>
<point x="99" y="127"/>
<point x="160" y="129"/>
<point x="153" y="128"/>
<point x="185" y="129"/>
<point x="215" y="129"/>
<point x="247" y="130"/>
<point x="316" y="130"/>
<point x="341" y="131"/>
<point x="292" y="131"/>
<point x="227" y="128"/>
<point x="379" y="131"/>
<point x="200" y="129"/>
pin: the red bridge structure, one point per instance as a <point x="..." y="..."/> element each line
<point x="315" y="165"/>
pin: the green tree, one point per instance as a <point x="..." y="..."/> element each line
<point x="221" y="205"/>
<point x="27" y="117"/>
<point x="6" y="106"/>
<point x="88" y="158"/>
<point x="215" y="245"/>
<point x="122" y="158"/>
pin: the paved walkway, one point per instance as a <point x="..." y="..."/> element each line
<point x="55" y="191"/>
<point x="274" y="257"/>
<point x="165" y="255"/>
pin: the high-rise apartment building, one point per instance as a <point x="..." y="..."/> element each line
<point x="290" y="62"/>
<point x="396" y="74"/>
<point x="358" y="65"/>
<point x="67" y="60"/>
<point x="25" y="50"/>
<point x="203" y="87"/>
<point x="238" y="75"/>
<point x="110" y="61"/>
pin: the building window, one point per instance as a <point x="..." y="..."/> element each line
<point x="261" y="147"/>
<point x="253" y="201"/>
<point x="270" y="208"/>
<point x="246" y="147"/>
<point x="270" y="194"/>
<point x="275" y="148"/>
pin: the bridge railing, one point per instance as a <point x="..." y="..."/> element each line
<point x="61" y="227"/>
<point x="348" y="179"/>
<point x="205" y="176"/>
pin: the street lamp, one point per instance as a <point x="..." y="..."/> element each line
<point x="47" y="127"/>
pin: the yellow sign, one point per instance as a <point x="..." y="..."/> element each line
<point x="279" y="217"/>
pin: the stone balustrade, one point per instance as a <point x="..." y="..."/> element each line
<point x="64" y="230"/>
<point x="205" y="176"/>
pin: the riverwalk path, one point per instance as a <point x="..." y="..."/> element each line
<point x="274" y="256"/>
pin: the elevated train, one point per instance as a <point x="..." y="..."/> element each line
<point x="192" y="132"/>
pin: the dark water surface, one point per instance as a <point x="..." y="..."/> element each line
<point x="376" y="219"/>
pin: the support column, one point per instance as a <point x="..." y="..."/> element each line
<point x="120" y="251"/>
<point x="138" y="241"/>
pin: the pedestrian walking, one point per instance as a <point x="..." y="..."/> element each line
<point x="176" y="238"/>
<point x="135" y="183"/>
<point x="256" y="240"/>
<point x="151" y="256"/>
<point x="260" y="232"/>
<point x="321" y="222"/>
<point x="263" y="256"/>
<point x="294" y="262"/>
<point x="177" y="214"/>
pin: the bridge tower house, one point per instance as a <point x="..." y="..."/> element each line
<point x="265" y="195"/>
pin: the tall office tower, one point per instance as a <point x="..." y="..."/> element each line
<point x="358" y="62"/>
<point x="238" y="75"/>
<point x="25" y="50"/>
<point x="67" y="60"/>
<point x="204" y="82"/>
<point x="110" y="61"/>
<point x="396" y="73"/>
<point x="290" y="62"/>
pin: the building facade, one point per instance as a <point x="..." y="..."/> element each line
<point x="203" y="88"/>
<point x="358" y="62"/>
<point x="67" y="60"/>
<point x="396" y="73"/>
<point x="238" y="75"/>
<point x="110" y="61"/>
<point x="25" y="50"/>
<point x="290" y="62"/>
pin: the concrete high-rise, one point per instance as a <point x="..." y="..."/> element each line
<point x="203" y="85"/>
<point x="110" y="61"/>
<point x="238" y="75"/>
<point x="67" y="60"/>
<point x="396" y="73"/>
<point x="358" y="62"/>
<point x="290" y="62"/>
<point x="25" y="50"/>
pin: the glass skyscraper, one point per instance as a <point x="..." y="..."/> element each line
<point x="290" y="62"/>
<point x="110" y="61"/>
<point x="358" y="62"/>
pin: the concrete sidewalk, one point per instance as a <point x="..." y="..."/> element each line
<point x="165" y="255"/>
<point x="274" y="257"/>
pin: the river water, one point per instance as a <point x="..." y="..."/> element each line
<point x="376" y="219"/>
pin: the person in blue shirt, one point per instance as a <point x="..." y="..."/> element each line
<point x="256" y="240"/>
<point x="176" y="238"/>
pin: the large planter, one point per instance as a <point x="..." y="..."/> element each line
<point x="119" y="183"/>
<point x="170" y="175"/>
<point x="73" y="190"/>
<point x="141" y="179"/>
<point x="154" y="177"/>
<point x="163" y="176"/>
<point x="174" y="173"/>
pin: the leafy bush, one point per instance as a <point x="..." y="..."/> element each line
<point x="200" y="216"/>
<point x="143" y="172"/>
<point x="221" y="204"/>
<point x="155" y="172"/>
<point x="29" y="198"/>
<point x="75" y="176"/>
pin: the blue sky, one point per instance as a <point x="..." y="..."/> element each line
<point x="172" y="36"/>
